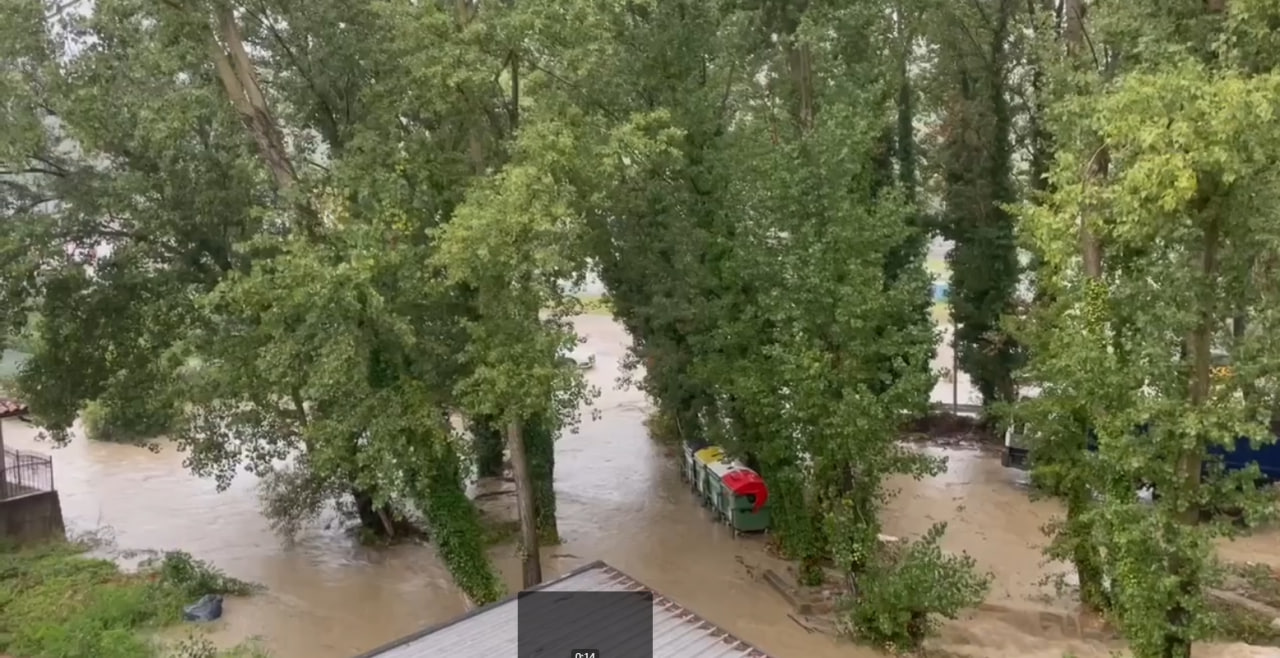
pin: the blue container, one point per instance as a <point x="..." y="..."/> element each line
<point x="1267" y="456"/>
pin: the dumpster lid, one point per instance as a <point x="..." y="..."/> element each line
<point x="746" y="482"/>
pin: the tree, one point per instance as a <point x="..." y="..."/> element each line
<point x="753" y="246"/>
<point x="1183" y="210"/>
<point x="259" y="259"/>
<point x="1063" y="416"/>
<point x="513" y="242"/>
<point x="124" y="208"/>
<point x="976" y="172"/>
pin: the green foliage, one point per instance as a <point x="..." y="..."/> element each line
<point x="540" y="446"/>
<point x="57" y="603"/>
<point x="757" y="245"/>
<point x="128" y="422"/>
<point x="196" y="578"/>
<point x="1184" y="209"/>
<point x="457" y="530"/>
<point x="905" y="588"/>
<point x="975" y="169"/>
<point x="286" y="304"/>
<point x="293" y="496"/>
<point x="1235" y="623"/>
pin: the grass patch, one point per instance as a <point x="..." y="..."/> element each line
<point x="596" y="305"/>
<point x="937" y="266"/>
<point x="56" y="602"/>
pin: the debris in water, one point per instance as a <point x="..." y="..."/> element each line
<point x="807" y="628"/>
<point x="208" y="608"/>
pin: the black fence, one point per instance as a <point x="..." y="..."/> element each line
<point x="25" y="473"/>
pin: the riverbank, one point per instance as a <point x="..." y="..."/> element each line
<point x="57" y="601"/>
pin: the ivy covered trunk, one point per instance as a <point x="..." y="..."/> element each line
<point x="798" y="524"/>
<point x="1085" y="556"/>
<point x="540" y="449"/>
<point x="455" y="525"/>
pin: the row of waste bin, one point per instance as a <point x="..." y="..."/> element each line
<point x="736" y="494"/>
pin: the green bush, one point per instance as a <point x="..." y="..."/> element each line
<point x="120" y="423"/>
<point x="906" y="587"/>
<point x="55" y="602"/>
<point x="196" y="578"/>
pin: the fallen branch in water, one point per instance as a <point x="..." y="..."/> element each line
<point x="806" y="627"/>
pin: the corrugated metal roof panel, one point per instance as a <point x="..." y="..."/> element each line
<point x="492" y="630"/>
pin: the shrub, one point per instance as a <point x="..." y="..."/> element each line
<point x="907" y="586"/>
<point x="196" y="578"/>
<point x="128" y="422"/>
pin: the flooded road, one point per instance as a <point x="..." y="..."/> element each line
<point x="620" y="499"/>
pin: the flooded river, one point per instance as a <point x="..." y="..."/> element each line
<point x="620" y="499"/>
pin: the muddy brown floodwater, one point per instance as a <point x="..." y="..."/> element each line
<point x="620" y="499"/>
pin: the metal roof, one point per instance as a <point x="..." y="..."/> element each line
<point x="492" y="629"/>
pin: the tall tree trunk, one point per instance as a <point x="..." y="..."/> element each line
<point x="1200" y="348"/>
<point x="800" y="66"/>
<point x="526" y="497"/>
<point x="1087" y="558"/>
<point x="1099" y="162"/>
<point x="240" y="80"/>
<point x="531" y="559"/>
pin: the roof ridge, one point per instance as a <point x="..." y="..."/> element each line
<point x="683" y="616"/>
<point x="671" y="605"/>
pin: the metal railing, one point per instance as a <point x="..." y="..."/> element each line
<point x="25" y="472"/>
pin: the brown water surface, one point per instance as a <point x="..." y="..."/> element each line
<point x="620" y="499"/>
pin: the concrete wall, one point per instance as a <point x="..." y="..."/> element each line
<point x="32" y="517"/>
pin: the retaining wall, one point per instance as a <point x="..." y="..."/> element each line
<point x="33" y="517"/>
